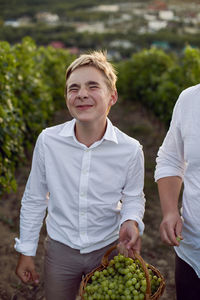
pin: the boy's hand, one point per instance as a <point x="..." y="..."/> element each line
<point x="26" y="269"/>
<point x="129" y="239"/>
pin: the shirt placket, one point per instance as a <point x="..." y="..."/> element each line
<point x="83" y="193"/>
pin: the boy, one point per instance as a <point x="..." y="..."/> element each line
<point x="87" y="166"/>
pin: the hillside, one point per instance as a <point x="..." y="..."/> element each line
<point x="13" y="9"/>
<point x="135" y="121"/>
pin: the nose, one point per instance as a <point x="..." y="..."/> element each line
<point x="82" y="93"/>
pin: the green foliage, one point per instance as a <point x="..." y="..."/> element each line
<point x="11" y="124"/>
<point x="31" y="88"/>
<point x="156" y="78"/>
<point x="191" y="66"/>
<point x="55" y="63"/>
<point x="143" y="74"/>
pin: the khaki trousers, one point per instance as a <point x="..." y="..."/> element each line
<point x="64" y="268"/>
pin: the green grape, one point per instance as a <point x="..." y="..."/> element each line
<point x="127" y="292"/>
<point x="131" y="288"/>
<point x="137" y="286"/>
<point x="93" y="278"/>
<point x="105" y="272"/>
<point x="141" y="296"/>
<point x="140" y="275"/>
<point x="134" y="280"/>
<point x="143" y="288"/>
<point x="109" y="292"/>
<point x="111" y="263"/>
<point x="128" y="283"/>
<point x="117" y="265"/>
<point x="144" y="282"/>
<point x="113" y="296"/>
<point x="97" y="274"/>
<point x="135" y="292"/>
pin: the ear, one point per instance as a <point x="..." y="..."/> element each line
<point x="114" y="97"/>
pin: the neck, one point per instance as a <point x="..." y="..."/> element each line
<point x="88" y="134"/>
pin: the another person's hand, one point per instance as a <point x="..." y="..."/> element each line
<point x="171" y="228"/>
<point x="25" y="270"/>
<point x="129" y="238"/>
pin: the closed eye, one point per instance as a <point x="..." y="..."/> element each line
<point x="73" y="89"/>
<point x="93" y="86"/>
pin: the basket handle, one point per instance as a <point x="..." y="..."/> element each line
<point x="105" y="263"/>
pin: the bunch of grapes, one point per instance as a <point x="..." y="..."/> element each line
<point x="123" y="279"/>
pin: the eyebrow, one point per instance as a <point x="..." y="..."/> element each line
<point x="73" y="85"/>
<point x="92" y="82"/>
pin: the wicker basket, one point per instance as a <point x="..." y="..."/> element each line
<point x="104" y="264"/>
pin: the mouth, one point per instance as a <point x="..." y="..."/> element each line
<point x="84" y="107"/>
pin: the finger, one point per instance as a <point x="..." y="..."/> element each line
<point x="172" y="237"/>
<point x="165" y="236"/>
<point x="27" y="275"/>
<point x="119" y="247"/>
<point x="137" y="245"/>
<point x="35" y="276"/>
<point x="24" y="276"/>
<point x="125" y="252"/>
<point x="178" y="229"/>
<point x="132" y="242"/>
<point x="122" y="249"/>
<point x="136" y="249"/>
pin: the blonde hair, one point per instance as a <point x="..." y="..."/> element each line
<point x="97" y="59"/>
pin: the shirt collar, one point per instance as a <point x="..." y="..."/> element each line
<point x="110" y="134"/>
<point x="68" y="129"/>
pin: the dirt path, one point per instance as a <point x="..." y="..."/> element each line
<point x="136" y="122"/>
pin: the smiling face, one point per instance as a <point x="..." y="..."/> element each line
<point x="88" y="96"/>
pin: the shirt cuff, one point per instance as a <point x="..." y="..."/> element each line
<point x="28" y="249"/>
<point x="138" y="220"/>
<point x="165" y="172"/>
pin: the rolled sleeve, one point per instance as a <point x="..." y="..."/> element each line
<point x="133" y="200"/>
<point x="34" y="204"/>
<point x="170" y="158"/>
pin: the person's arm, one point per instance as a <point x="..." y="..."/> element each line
<point x="169" y="176"/>
<point x="133" y="203"/>
<point x="171" y="226"/>
<point x="32" y="213"/>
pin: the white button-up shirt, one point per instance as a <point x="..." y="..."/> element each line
<point x="92" y="191"/>
<point x="180" y="156"/>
